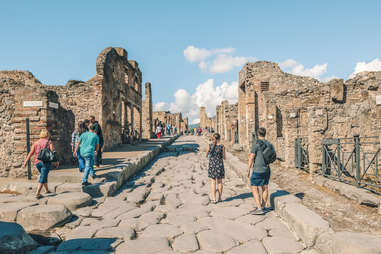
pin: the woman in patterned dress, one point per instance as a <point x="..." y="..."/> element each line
<point x="216" y="170"/>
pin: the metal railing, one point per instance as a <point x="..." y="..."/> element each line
<point x="352" y="159"/>
<point x="301" y="154"/>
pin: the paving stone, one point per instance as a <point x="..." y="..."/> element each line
<point x="43" y="217"/>
<point x="71" y="200"/>
<point x="127" y="233"/>
<point x="348" y="242"/>
<point x="281" y="245"/>
<point x="185" y="243"/>
<point x="8" y="211"/>
<point x="81" y="232"/>
<point x="215" y="241"/>
<point x="126" y="207"/>
<point x="138" y="195"/>
<point x="250" y="219"/>
<point x="193" y="227"/>
<point x="229" y="212"/>
<point x="95" y="244"/>
<point x="161" y="230"/>
<point x="14" y="239"/>
<point x="144" y="246"/>
<point x="309" y="252"/>
<point x="178" y="219"/>
<point x="149" y="219"/>
<point x="69" y="187"/>
<point x="237" y="231"/>
<point x="84" y="211"/>
<point x="253" y="246"/>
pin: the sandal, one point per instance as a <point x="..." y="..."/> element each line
<point x="214" y="202"/>
<point x="38" y="196"/>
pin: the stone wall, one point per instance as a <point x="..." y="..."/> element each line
<point x="113" y="96"/>
<point x="291" y="107"/>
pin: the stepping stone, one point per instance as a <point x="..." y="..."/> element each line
<point x="43" y="217"/>
<point x="185" y="243"/>
<point x="71" y="200"/>
<point x="193" y="227"/>
<point x="214" y="241"/>
<point x="161" y="230"/>
<point x="144" y="246"/>
<point x="250" y="219"/>
<point x="281" y="245"/>
<point x="8" y="211"/>
<point x="126" y="233"/>
<point x="14" y="239"/>
<point x="69" y="187"/>
<point x="253" y="246"/>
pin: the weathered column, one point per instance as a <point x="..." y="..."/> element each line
<point x="290" y="134"/>
<point x="147" y="112"/>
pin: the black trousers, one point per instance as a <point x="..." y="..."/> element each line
<point x="98" y="158"/>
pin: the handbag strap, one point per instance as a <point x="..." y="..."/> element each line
<point x="47" y="144"/>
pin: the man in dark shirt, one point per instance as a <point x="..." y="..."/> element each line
<point x="261" y="172"/>
<point x="98" y="131"/>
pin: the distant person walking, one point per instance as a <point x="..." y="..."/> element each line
<point x="88" y="146"/>
<point x="98" y="131"/>
<point x="216" y="170"/>
<point x="262" y="154"/>
<point x="159" y="129"/>
<point x="74" y="140"/>
<point x="42" y="167"/>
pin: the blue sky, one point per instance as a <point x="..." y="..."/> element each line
<point x="60" y="40"/>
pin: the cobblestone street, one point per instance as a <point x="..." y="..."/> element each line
<point x="166" y="209"/>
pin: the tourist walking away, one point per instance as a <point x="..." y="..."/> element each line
<point x="262" y="154"/>
<point x="216" y="171"/>
<point x="169" y="129"/>
<point x="158" y="131"/>
<point x="74" y="140"/>
<point x="88" y="146"/>
<point x="98" y="131"/>
<point x="42" y="150"/>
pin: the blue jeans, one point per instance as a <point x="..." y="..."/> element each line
<point x="81" y="162"/>
<point x="44" y="169"/>
<point x="89" y="167"/>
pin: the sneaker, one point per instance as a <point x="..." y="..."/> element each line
<point x="86" y="183"/>
<point x="258" y="212"/>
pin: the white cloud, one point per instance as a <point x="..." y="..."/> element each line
<point x="296" y="68"/>
<point x="195" y="121"/>
<point x="161" y="106"/>
<point x="207" y="95"/>
<point x="374" y="65"/>
<point x="224" y="63"/>
<point x="193" y="54"/>
<point x="219" y="60"/>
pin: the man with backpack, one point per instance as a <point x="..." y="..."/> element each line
<point x="261" y="156"/>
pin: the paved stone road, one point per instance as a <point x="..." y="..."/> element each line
<point x="166" y="209"/>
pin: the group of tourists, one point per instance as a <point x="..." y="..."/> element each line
<point x="87" y="143"/>
<point x="161" y="130"/>
<point x="262" y="154"/>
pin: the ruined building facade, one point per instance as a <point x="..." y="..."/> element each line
<point x="113" y="96"/>
<point x="174" y="119"/>
<point x="293" y="107"/>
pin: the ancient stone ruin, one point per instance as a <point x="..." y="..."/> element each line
<point x="299" y="108"/>
<point x="113" y="96"/>
<point x="174" y="119"/>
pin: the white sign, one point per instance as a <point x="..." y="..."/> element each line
<point x="293" y="115"/>
<point x="32" y="104"/>
<point x="53" y="105"/>
<point x="378" y="100"/>
<point x="270" y="117"/>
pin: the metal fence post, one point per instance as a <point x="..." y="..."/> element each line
<point x="28" y="147"/>
<point x="324" y="159"/>
<point x="339" y="166"/>
<point x="358" y="158"/>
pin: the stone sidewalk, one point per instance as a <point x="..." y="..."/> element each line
<point x="18" y="204"/>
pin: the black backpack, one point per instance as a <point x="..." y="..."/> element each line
<point x="268" y="152"/>
<point x="46" y="155"/>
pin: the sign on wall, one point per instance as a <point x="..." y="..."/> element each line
<point x="378" y="100"/>
<point x="32" y="103"/>
<point x="53" y="105"/>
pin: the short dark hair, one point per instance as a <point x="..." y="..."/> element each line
<point x="93" y="127"/>
<point x="262" y="132"/>
<point x="92" y="117"/>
